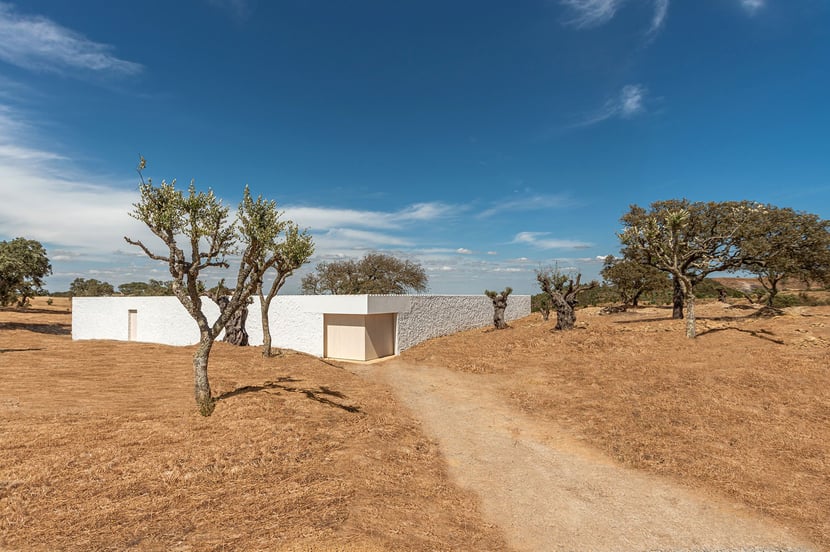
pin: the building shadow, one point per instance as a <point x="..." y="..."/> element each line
<point x="322" y="394"/>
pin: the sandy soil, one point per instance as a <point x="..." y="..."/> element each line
<point x="722" y="440"/>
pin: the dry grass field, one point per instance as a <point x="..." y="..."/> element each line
<point x="101" y="447"/>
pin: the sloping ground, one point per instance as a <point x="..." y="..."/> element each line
<point x="549" y="493"/>
<point x="742" y="412"/>
<point x="101" y="449"/>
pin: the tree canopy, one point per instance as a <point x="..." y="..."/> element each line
<point x="375" y="273"/>
<point x="23" y="266"/>
<point x="81" y="287"/>
<point x="151" y="288"/>
<point x="782" y="243"/>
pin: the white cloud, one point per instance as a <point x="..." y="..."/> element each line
<point x="325" y="217"/>
<point x="463" y="251"/>
<point x="349" y="238"/>
<point x="42" y="198"/>
<point x="590" y="13"/>
<point x="539" y="240"/>
<point x="37" y="43"/>
<point x="631" y="100"/>
<point x="752" y="6"/>
<point x="492" y="253"/>
<point x="629" y="103"/>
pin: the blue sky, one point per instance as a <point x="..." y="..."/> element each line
<point x="484" y="139"/>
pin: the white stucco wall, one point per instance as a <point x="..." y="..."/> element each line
<point x="293" y="324"/>
<point x="159" y="319"/>
<point x="436" y="315"/>
<point x="296" y="321"/>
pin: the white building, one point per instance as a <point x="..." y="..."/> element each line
<point x="351" y="327"/>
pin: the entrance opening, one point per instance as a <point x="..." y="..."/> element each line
<point x="359" y="336"/>
<point x="132" y="325"/>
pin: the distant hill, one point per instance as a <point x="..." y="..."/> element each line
<point x="746" y="285"/>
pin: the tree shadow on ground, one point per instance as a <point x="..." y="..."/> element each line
<point x="760" y="334"/>
<point x="34" y="311"/>
<point x="52" y="329"/>
<point x="320" y="394"/>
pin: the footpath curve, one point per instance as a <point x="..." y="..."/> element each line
<point x="549" y="492"/>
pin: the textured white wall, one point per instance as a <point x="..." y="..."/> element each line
<point x="296" y="320"/>
<point x="436" y="315"/>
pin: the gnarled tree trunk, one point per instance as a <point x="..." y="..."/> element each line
<point x="565" y="313"/>
<point x="677" y="300"/>
<point x="201" y="386"/>
<point x="235" y="332"/>
<point x="499" y="306"/>
<point x="690" y="315"/>
<point x="264" y="306"/>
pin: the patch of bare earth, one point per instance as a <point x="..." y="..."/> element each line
<point x="742" y="413"/>
<point x="101" y="449"/>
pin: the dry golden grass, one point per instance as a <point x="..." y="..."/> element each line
<point x="742" y="411"/>
<point x="102" y="450"/>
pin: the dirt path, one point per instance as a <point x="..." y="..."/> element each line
<point x="549" y="492"/>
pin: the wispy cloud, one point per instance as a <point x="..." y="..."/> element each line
<point x="658" y="19"/>
<point x="534" y="202"/>
<point x="541" y="241"/>
<point x="240" y="10"/>
<point x="752" y="6"/>
<point x="629" y="103"/>
<point x="585" y="14"/>
<point x="464" y="251"/>
<point x="39" y="44"/>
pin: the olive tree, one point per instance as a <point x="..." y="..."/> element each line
<point x="197" y="234"/>
<point x="499" y="306"/>
<point x="631" y="278"/>
<point x="689" y="241"/>
<point x="23" y="266"/>
<point x="563" y="292"/>
<point x="782" y="243"/>
<point x="376" y="273"/>
<point x="289" y="254"/>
